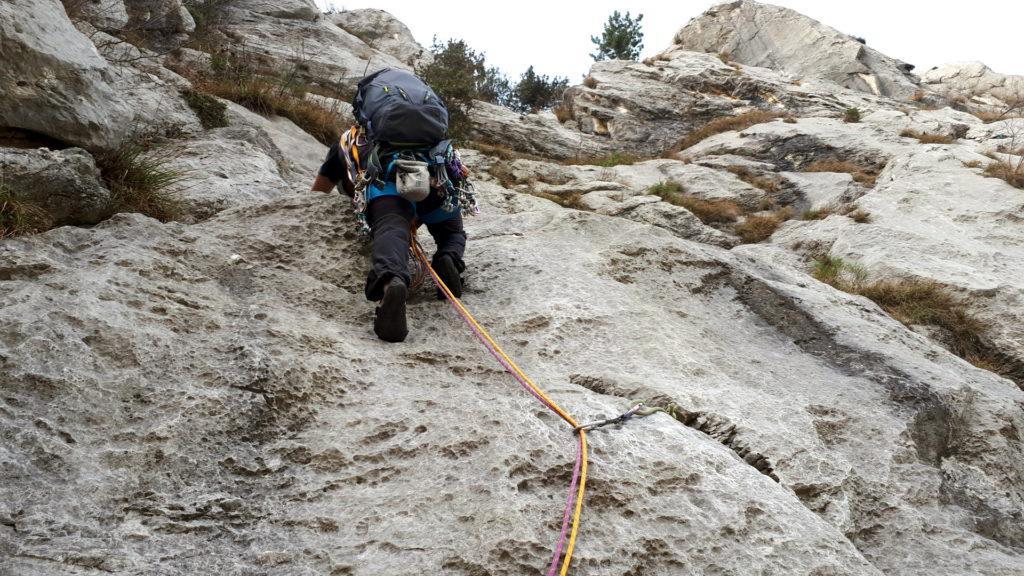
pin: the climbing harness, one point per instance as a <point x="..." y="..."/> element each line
<point x="577" y="486"/>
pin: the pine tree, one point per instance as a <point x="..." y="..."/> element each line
<point x="537" y="92"/>
<point x="622" y="38"/>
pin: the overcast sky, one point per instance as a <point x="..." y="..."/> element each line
<point x="555" y="36"/>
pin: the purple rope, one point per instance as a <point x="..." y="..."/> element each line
<point x="570" y="500"/>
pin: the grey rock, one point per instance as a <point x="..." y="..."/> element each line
<point x="65" y="183"/>
<point x="977" y="88"/>
<point x="106" y="15"/>
<point x="382" y="31"/>
<point x="234" y="410"/>
<point x="782" y="39"/>
<point x="53" y="80"/>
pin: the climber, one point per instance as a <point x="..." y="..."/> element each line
<point x="397" y="187"/>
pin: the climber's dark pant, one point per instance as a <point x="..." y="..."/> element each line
<point x="390" y="219"/>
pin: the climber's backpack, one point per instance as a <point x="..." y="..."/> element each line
<point x="405" y="123"/>
<point x="398" y="109"/>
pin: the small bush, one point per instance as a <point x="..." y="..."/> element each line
<point x="590" y="82"/>
<point x="613" y="159"/>
<point x="725" y="124"/>
<point x="19" y="217"/>
<point x="141" y="181"/>
<point x="972" y="164"/>
<point x="928" y="137"/>
<point x="1011" y="172"/>
<point x="758" y="228"/>
<point x="917" y="96"/>
<point x="707" y="211"/>
<point x="851" y="115"/>
<point x="211" y="111"/>
<point x="862" y="174"/>
<point x="789" y="119"/>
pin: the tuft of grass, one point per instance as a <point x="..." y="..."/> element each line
<point x="928" y="137"/>
<point x="707" y="211"/>
<point x="563" y="113"/>
<point x="20" y="217"/>
<point x="819" y="214"/>
<point x="141" y="181"/>
<point x="211" y="111"/>
<point x="1012" y="173"/>
<point x="851" y="115"/>
<point x="758" y="228"/>
<point x="861" y="174"/>
<point x="769" y="185"/>
<point x="917" y="96"/>
<point x="613" y="159"/>
<point x="789" y="119"/>
<point x="915" y="302"/>
<point x="590" y="82"/>
<point x="725" y="124"/>
<point x="572" y="200"/>
<point x="972" y="164"/>
<point x="860" y="216"/>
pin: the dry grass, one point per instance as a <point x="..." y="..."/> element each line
<point x="613" y="159"/>
<point x="860" y="216"/>
<point x="759" y="228"/>
<point x="267" y="97"/>
<point x="140" y="180"/>
<point x="563" y="113"/>
<point x="917" y="96"/>
<point x="572" y="200"/>
<point x="707" y="211"/>
<point x="1011" y="172"/>
<point x="819" y="214"/>
<point x="928" y="137"/>
<point x="590" y="82"/>
<point x="972" y="164"/>
<point x="916" y="302"/>
<point x="19" y="217"/>
<point x="502" y="172"/>
<point x="725" y="124"/>
<point x="789" y="119"/>
<point x="861" y="174"/>
<point x="769" y="185"/>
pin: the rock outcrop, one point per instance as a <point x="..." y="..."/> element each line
<point x="782" y="39"/>
<point x="382" y="31"/>
<point x="53" y="81"/>
<point x="64" y="183"/>
<point x="976" y="87"/>
<point x="207" y="395"/>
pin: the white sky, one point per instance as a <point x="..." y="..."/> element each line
<point x="555" y="36"/>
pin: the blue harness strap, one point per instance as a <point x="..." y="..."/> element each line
<point x="435" y="216"/>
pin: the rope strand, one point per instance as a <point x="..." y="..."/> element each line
<point x="574" y="499"/>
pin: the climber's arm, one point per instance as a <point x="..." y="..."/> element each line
<point x="334" y="172"/>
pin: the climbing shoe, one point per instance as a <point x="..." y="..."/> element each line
<point x="449" y="273"/>
<point x="389" y="321"/>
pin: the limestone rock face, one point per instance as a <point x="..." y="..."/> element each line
<point x="782" y="39"/>
<point x="977" y="88"/>
<point x="65" y="183"/>
<point x="382" y="31"/>
<point x="53" y="80"/>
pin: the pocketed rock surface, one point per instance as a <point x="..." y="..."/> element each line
<point x="207" y="396"/>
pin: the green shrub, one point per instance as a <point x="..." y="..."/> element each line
<point x="211" y="111"/>
<point x="621" y="39"/>
<point x="851" y="115"/>
<point x="536" y="92"/>
<point x="140" y="180"/>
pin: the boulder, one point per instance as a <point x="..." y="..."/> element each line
<point x="64" y="183"/>
<point x="382" y="31"/>
<point x="782" y="39"/>
<point x="53" y="80"/>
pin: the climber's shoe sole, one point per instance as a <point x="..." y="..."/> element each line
<point x="389" y="322"/>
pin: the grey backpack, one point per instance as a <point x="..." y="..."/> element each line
<point x="398" y="109"/>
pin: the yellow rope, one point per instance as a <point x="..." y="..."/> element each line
<point x="577" y="512"/>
